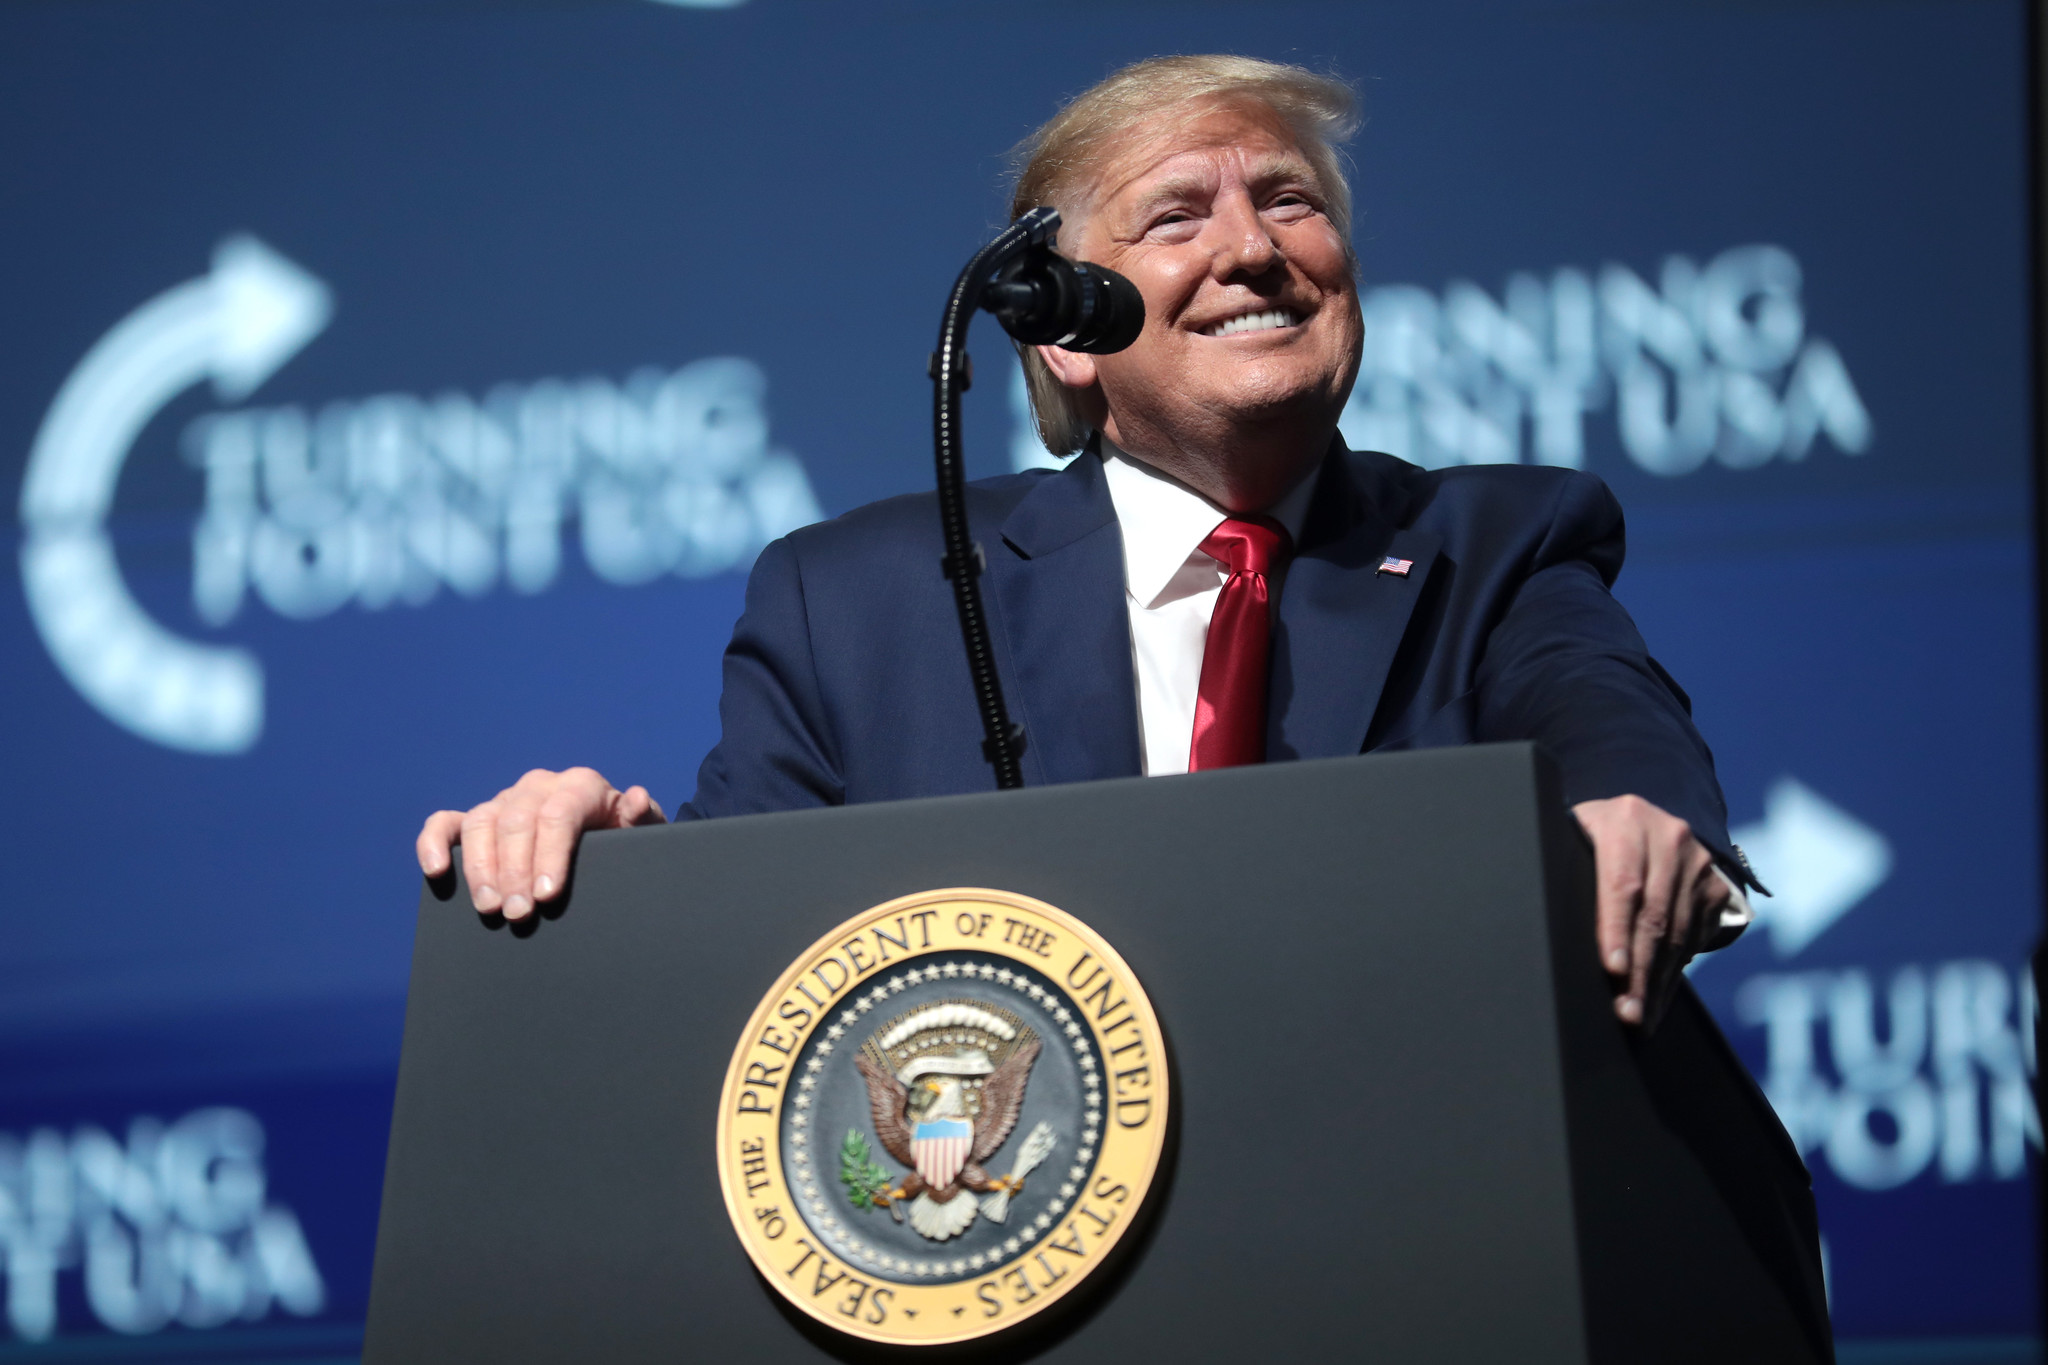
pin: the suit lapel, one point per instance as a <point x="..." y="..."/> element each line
<point x="1064" y="633"/>
<point x="1341" y="620"/>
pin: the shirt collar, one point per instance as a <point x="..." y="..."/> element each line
<point x="1164" y="521"/>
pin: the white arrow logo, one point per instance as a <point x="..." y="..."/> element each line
<point x="1819" y="861"/>
<point x="236" y="325"/>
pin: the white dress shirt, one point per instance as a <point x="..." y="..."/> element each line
<point x="1170" y="590"/>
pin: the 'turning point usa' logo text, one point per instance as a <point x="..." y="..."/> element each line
<point x="378" y="501"/>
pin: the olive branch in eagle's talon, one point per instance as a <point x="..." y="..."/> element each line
<point x="867" y="1184"/>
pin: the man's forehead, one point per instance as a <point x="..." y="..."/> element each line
<point x="1183" y="151"/>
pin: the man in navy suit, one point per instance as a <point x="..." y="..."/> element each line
<point x="1215" y="579"/>
<point x="1413" y="608"/>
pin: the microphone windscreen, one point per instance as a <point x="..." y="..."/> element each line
<point x="1117" y="317"/>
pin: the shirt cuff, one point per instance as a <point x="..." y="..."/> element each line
<point x="1736" y="916"/>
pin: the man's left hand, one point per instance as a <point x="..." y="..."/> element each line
<point x="1660" y="898"/>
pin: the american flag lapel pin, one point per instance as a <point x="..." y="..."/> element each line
<point x="1397" y="567"/>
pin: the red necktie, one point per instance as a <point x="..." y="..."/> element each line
<point x="1230" y="707"/>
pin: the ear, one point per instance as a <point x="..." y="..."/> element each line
<point x="1072" y="368"/>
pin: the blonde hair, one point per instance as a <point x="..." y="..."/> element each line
<point x="1059" y="159"/>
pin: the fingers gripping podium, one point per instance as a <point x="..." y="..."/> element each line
<point x="1403" y="1123"/>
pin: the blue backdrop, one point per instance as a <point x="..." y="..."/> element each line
<point x="398" y="393"/>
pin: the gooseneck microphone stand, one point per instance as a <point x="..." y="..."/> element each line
<point x="1003" y="740"/>
<point x="1042" y="299"/>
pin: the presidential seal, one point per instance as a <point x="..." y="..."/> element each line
<point x="943" y="1117"/>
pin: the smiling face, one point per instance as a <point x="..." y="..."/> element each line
<point x="1252" y="330"/>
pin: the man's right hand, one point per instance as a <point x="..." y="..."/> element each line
<point x="516" y="847"/>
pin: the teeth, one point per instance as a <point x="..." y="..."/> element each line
<point x="1253" y="322"/>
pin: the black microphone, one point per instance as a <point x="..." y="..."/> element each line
<point x="1044" y="299"/>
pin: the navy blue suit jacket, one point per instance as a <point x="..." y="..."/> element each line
<point x="845" y="680"/>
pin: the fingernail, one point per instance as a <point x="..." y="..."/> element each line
<point x="1631" y="1009"/>
<point x="517" y="906"/>
<point x="486" y="897"/>
<point x="544" y="886"/>
<point x="1617" y="960"/>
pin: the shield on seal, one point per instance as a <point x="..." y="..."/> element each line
<point x="941" y="1147"/>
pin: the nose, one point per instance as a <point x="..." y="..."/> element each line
<point x="1242" y="246"/>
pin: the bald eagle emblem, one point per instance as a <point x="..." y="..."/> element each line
<point x="945" y="1087"/>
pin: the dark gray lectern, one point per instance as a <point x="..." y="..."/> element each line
<point x="1409" y="1127"/>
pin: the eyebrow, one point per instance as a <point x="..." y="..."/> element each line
<point x="1263" y="172"/>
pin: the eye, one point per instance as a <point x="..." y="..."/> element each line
<point x="1173" y="225"/>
